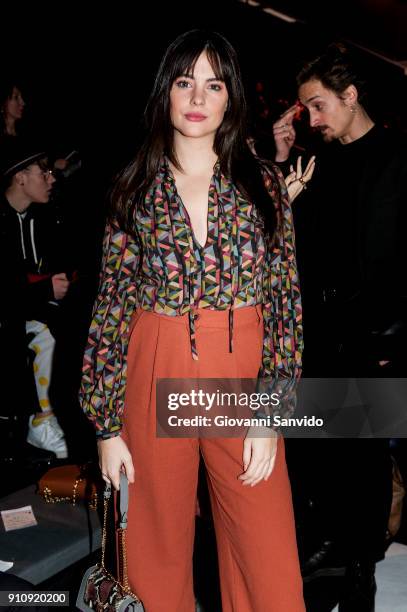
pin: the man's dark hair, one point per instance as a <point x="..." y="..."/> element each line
<point x="336" y="69"/>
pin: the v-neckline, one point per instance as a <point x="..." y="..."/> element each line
<point x="188" y="220"/>
<point x="185" y="211"/>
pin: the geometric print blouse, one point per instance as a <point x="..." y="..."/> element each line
<point x="165" y="270"/>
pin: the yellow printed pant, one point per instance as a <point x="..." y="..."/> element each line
<point x="42" y="344"/>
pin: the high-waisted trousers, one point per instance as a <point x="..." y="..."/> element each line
<point x="254" y="526"/>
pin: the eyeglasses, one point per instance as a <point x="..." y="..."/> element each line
<point x="45" y="173"/>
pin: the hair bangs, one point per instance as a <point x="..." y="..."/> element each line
<point x="185" y="63"/>
<point x="217" y="65"/>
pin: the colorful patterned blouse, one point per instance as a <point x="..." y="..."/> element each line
<point x="168" y="272"/>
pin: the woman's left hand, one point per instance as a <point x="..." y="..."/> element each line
<point x="297" y="179"/>
<point x="259" y="455"/>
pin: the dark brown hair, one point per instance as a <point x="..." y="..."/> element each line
<point x="7" y="86"/>
<point x="336" y="68"/>
<point x="230" y="145"/>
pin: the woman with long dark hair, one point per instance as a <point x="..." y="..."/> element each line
<point x="198" y="281"/>
<point x="11" y="108"/>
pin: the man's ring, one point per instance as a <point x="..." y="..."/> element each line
<point x="303" y="183"/>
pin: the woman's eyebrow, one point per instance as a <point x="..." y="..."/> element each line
<point x="191" y="76"/>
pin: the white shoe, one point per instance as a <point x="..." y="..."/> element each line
<point x="48" y="435"/>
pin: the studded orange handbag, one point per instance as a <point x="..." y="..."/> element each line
<point x="71" y="483"/>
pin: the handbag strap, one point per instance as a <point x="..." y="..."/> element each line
<point x="106" y="497"/>
<point x="123" y="508"/>
<point x="124" y="500"/>
<point x="121" y="532"/>
<point x="123" y="580"/>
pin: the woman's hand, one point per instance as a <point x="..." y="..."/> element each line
<point x="297" y="179"/>
<point x="259" y="455"/>
<point x="114" y="457"/>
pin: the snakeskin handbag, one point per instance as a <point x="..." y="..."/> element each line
<point x="99" y="590"/>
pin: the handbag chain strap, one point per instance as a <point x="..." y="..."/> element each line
<point x="106" y="497"/>
<point x="123" y="577"/>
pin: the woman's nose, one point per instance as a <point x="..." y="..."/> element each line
<point x="198" y="98"/>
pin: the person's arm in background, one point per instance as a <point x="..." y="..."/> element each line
<point x="284" y="136"/>
<point x="388" y="341"/>
<point x="284" y="140"/>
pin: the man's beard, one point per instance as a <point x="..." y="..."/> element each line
<point x="326" y="133"/>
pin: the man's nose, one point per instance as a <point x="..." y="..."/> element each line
<point x="313" y="120"/>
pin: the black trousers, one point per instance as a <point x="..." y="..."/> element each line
<point x="342" y="488"/>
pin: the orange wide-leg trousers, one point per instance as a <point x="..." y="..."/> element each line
<point x="257" y="550"/>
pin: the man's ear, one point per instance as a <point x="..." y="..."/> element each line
<point x="19" y="178"/>
<point x="350" y="95"/>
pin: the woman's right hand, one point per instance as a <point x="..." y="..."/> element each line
<point x="114" y="457"/>
<point x="297" y="180"/>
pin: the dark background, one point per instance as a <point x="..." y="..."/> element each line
<point x="88" y="69"/>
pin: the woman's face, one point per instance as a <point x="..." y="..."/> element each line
<point x="14" y="106"/>
<point x="198" y="101"/>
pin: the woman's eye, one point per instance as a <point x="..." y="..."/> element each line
<point x="182" y="84"/>
<point x="215" y="87"/>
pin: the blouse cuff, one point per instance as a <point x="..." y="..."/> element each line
<point x="282" y="391"/>
<point x="106" y="435"/>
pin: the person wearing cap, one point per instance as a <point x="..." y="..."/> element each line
<point x="35" y="281"/>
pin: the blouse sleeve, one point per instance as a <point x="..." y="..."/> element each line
<point x="105" y="360"/>
<point x="282" y="311"/>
